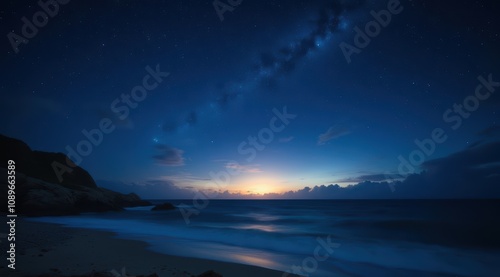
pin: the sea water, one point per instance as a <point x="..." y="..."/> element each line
<point x="321" y="237"/>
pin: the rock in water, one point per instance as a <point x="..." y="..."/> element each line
<point x="163" y="207"/>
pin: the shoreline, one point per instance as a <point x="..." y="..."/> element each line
<point x="47" y="248"/>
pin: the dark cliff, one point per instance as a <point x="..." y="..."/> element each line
<point x="39" y="191"/>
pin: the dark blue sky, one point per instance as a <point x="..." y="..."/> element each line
<point x="351" y="120"/>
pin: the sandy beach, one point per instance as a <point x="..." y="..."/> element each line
<point x="54" y="250"/>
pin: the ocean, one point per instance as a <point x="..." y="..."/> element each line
<point x="321" y="237"/>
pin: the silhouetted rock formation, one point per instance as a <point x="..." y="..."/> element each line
<point x="38" y="164"/>
<point x="39" y="192"/>
<point x="210" y="273"/>
<point x="93" y="274"/>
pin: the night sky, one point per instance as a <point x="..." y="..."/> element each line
<point x="278" y="95"/>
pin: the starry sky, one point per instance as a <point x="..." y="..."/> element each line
<point x="276" y="99"/>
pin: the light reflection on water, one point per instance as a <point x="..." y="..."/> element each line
<point x="223" y="252"/>
<point x="260" y="227"/>
<point x="251" y="259"/>
<point x="259" y="216"/>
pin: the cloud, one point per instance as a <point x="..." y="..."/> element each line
<point x="184" y="179"/>
<point x="242" y="168"/>
<point x="470" y="173"/>
<point x="468" y="159"/>
<point x="238" y="168"/>
<point x="287" y="139"/>
<point x="169" y="156"/>
<point x="332" y="133"/>
<point x="379" y="177"/>
<point x="151" y="189"/>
